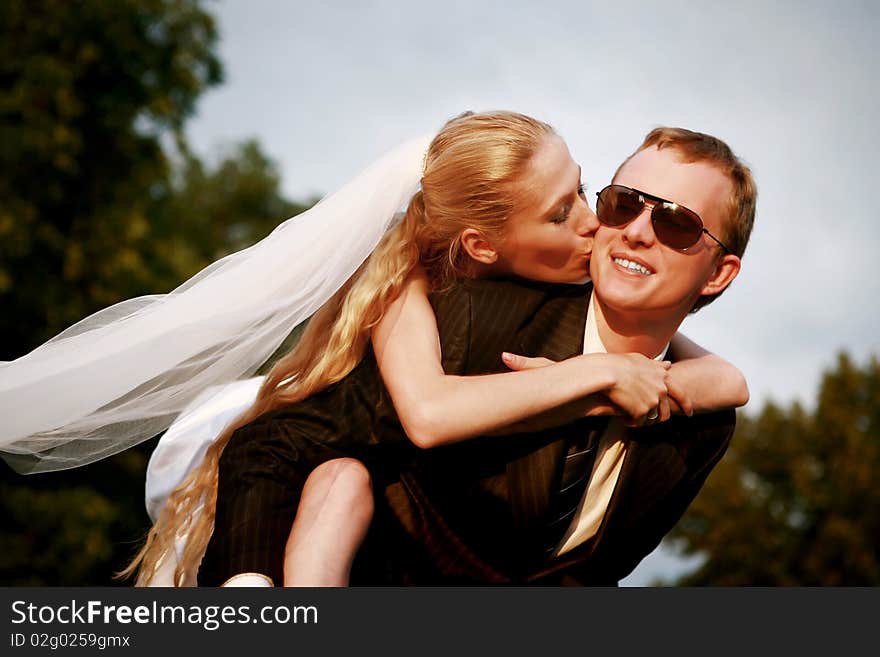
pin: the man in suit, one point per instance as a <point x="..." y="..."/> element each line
<point x="493" y="510"/>
<point x="586" y="502"/>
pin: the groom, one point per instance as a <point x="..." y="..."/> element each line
<point x="583" y="503"/>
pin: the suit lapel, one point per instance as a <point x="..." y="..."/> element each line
<point x="648" y="473"/>
<point x="650" y="470"/>
<point x="651" y="467"/>
<point x="557" y="333"/>
<point x="530" y="483"/>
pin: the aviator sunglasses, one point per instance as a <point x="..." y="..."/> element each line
<point x="674" y="225"/>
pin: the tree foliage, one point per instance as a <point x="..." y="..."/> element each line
<point x="793" y="502"/>
<point x="88" y="92"/>
<point x="101" y="200"/>
<point x="77" y="527"/>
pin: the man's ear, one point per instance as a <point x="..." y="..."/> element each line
<point x="725" y="271"/>
<point x="478" y="246"/>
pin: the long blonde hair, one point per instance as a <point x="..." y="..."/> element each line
<point x="468" y="182"/>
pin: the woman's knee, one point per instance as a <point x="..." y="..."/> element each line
<point x="348" y="482"/>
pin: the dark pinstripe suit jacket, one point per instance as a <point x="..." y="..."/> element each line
<point x="472" y="512"/>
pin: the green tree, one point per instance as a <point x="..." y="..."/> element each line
<point x="207" y="212"/>
<point x="78" y="527"/>
<point x="88" y="92"/>
<point x="101" y="200"/>
<point x="794" y="501"/>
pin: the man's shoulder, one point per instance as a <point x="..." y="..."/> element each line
<point x="478" y="319"/>
<point x="474" y="290"/>
<point x="699" y="439"/>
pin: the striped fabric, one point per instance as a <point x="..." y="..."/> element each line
<point x="476" y="512"/>
<point x="576" y="469"/>
<point x="469" y="513"/>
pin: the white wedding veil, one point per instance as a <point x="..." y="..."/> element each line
<point x="121" y="375"/>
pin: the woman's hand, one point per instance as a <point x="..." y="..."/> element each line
<point x="639" y="390"/>
<point x="640" y="386"/>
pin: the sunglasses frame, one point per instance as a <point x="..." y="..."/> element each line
<point x="658" y="203"/>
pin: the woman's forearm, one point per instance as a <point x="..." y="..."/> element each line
<point x="443" y="409"/>
<point x="436" y="408"/>
<point x="708" y="381"/>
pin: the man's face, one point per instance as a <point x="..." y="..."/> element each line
<point x="667" y="282"/>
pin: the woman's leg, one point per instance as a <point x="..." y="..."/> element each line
<point x="331" y="522"/>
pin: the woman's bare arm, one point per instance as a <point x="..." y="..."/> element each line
<point x="435" y="408"/>
<point x="700" y="381"/>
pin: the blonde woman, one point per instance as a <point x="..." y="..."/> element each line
<point x="500" y="197"/>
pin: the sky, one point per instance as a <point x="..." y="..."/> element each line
<point x="327" y="87"/>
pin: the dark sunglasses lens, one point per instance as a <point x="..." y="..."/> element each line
<point x="618" y="206"/>
<point x="675" y="227"/>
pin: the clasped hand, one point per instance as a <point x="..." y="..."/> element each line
<point x="644" y="391"/>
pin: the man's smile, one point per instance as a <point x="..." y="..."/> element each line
<point x="632" y="265"/>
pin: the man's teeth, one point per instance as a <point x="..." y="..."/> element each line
<point x="633" y="266"/>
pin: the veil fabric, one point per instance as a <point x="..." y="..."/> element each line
<point x="123" y="374"/>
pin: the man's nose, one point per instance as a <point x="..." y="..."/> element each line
<point x="586" y="221"/>
<point x="640" y="231"/>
